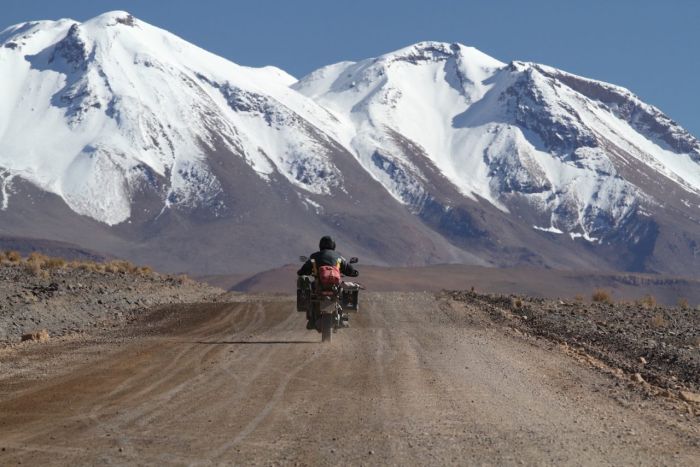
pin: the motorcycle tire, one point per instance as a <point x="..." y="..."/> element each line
<point x="326" y="327"/>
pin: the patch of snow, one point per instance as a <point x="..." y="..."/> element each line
<point x="5" y="188"/>
<point x="584" y="235"/>
<point x="550" y="229"/>
<point x="316" y="206"/>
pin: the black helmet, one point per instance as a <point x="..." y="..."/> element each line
<point x="326" y="243"/>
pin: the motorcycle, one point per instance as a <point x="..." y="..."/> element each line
<point x="328" y="307"/>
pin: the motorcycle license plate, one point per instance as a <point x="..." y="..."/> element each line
<point x="327" y="306"/>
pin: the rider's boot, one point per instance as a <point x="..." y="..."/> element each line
<point x="310" y="324"/>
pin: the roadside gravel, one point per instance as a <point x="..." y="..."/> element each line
<point x="68" y="300"/>
<point x="661" y="344"/>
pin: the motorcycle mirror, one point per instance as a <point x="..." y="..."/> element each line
<point x="354" y="260"/>
<point x="303" y="259"/>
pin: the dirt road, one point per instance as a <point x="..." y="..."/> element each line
<point x="413" y="381"/>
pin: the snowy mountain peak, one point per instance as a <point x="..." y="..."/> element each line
<point x="430" y="51"/>
<point x="112" y="18"/>
<point x="120" y="104"/>
<point x="577" y="152"/>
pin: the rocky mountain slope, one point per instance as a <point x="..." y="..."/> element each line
<point x="121" y="137"/>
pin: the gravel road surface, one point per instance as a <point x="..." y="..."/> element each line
<point x="416" y="380"/>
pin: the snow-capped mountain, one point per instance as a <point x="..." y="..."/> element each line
<point x="91" y="111"/>
<point x="124" y="138"/>
<point x="568" y="155"/>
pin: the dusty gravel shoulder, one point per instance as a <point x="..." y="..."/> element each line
<point x="70" y="300"/>
<point x="654" y="349"/>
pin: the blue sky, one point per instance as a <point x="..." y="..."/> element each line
<point x="651" y="47"/>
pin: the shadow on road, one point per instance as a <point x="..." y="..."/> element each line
<point x="255" y="342"/>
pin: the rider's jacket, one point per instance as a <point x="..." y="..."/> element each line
<point x="327" y="258"/>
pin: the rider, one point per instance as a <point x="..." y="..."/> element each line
<point x="326" y="256"/>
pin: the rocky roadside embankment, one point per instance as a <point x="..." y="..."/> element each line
<point x="651" y="344"/>
<point x="40" y="293"/>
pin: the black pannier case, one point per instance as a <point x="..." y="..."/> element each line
<point x="348" y="300"/>
<point x="303" y="293"/>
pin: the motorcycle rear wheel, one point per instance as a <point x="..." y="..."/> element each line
<point x="326" y="327"/>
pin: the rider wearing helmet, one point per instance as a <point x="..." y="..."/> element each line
<point x="326" y="256"/>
